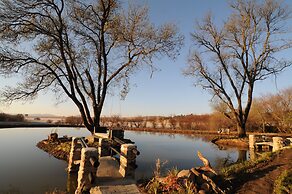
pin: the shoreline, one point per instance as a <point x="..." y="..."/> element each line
<point x="154" y="130"/>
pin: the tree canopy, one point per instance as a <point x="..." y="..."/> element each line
<point x="78" y="48"/>
<point x="229" y="59"/>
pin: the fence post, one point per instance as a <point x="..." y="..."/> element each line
<point x="87" y="171"/>
<point x="128" y="160"/>
<point x="252" y="141"/>
<point x="278" y="143"/>
<point x="251" y="144"/>
<point x="74" y="155"/>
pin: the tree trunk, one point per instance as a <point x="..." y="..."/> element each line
<point x="97" y="128"/>
<point x="241" y="130"/>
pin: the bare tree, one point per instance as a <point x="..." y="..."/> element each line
<point x="230" y="59"/>
<point x="78" y="48"/>
<point x="275" y="109"/>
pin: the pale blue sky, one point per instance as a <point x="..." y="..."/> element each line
<point x="168" y="92"/>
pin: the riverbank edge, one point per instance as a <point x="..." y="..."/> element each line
<point x="54" y="149"/>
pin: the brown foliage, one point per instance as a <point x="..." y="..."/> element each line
<point x="74" y="120"/>
<point x="229" y="59"/>
<point x="274" y="111"/>
<point x="11" y="118"/>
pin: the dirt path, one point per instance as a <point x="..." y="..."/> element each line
<point x="261" y="178"/>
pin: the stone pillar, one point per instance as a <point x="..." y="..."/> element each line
<point x="252" y="141"/>
<point x="128" y="160"/>
<point x="103" y="149"/>
<point x="75" y="154"/>
<point x="87" y="172"/>
<point x="278" y="143"/>
<point x="252" y="154"/>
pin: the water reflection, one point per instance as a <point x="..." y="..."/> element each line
<point x="26" y="169"/>
<point x="72" y="182"/>
<point x="180" y="151"/>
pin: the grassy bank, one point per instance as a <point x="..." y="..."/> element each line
<point x="283" y="184"/>
<point x="244" y="167"/>
<point x="269" y="173"/>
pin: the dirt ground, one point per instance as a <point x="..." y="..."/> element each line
<point x="261" y="178"/>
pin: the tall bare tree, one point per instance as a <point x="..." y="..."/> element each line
<point x="231" y="58"/>
<point x="78" y="48"/>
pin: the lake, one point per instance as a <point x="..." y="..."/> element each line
<point x="26" y="169"/>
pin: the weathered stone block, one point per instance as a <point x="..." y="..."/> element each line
<point x="278" y="143"/>
<point x="86" y="167"/>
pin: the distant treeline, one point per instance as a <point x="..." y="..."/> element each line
<point x="11" y="118"/>
<point x="269" y="113"/>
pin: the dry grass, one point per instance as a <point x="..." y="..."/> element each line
<point x="283" y="184"/>
<point x="245" y="166"/>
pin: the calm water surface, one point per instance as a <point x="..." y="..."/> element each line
<point x="26" y="169"/>
<point x="178" y="151"/>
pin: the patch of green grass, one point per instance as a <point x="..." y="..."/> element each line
<point x="283" y="184"/>
<point x="243" y="167"/>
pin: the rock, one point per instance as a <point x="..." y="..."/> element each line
<point x="184" y="174"/>
<point x="206" y="187"/>
<point x="187" y="174"/>
<point x="202" y="192"/>
<point x="53" y="137"/>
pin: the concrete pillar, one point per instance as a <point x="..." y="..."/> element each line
<point x="86" y="170"/>
<point x="74" y="156"/>
<point x="103" y="149"/>
<point x="128" y="160"/>
<point x="278" y="143"/>
<point x="252" y="141"/>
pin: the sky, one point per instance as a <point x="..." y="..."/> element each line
<point x="167" y="92"/>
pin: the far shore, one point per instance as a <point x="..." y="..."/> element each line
<point x="154" y="130"/>
<point x="203" y="132"/>
<point x="32" y="125"/>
